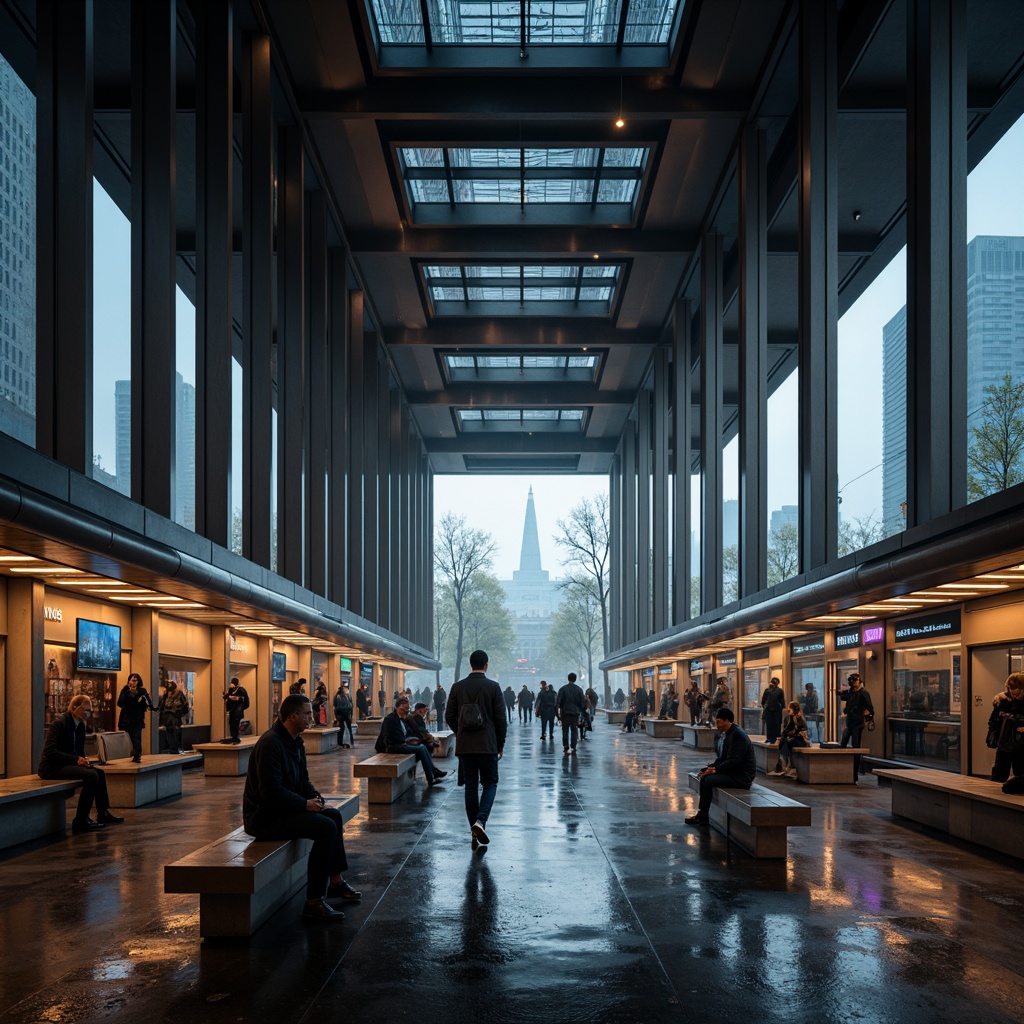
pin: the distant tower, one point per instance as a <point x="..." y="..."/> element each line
<point x="529" y="557"/>
<point x="532" y="598"/>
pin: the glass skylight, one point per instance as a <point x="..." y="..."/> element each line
<point x="521" y="419"/>
<point x="522" y="367"/>
<point x="547" y="22"/>
<point x="604" y="178"/>
<point x="559" y="289"/>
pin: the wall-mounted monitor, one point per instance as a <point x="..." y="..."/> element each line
<point x="279" y="667"/>
<point x="98" y="646"/>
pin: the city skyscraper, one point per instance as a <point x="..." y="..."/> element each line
<point x="995" y="329"/>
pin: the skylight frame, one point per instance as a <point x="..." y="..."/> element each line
<point x="521" y="419"/>
<point x="525" y="366"/>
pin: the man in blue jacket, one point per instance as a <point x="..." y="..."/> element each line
<point x="734" y="767"/>
<point x="279" y="802"/>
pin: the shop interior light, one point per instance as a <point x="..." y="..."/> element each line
<point x="18" y="558"/>
<point x="971" y="586"/>
<point x="43" y="570"/>
<point x="94" y="581"/>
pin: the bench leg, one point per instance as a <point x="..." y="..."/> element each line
<point x="387" y="791"/>
<point x="766" y="842"/>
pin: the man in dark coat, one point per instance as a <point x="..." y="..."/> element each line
<point x="546" y="700"/>
<point x="859" y="711"/>
<point x="734" y="767"/>
<point x="64" y="757"/>
<point x="236" y="700"/>
<point x="479" y="741"/>
<point x="440" y="697"/>
<point x="569" y="705"/>
<point x="397" y="736"/>
<point x="279" y="802"/>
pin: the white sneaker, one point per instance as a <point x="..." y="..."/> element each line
<point x="790" y="773"/>
<point x="778" y="773"/>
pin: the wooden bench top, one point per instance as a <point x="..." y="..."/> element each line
<point x="982" y="790"/>
<point x="24" y="787"/>
<point x="758" y="805"/>
<point x="238" y="863"/>
<point x="814" y="751"/>
<point x="383" y="766"/>
<point x="244" y="741"/>
<point x="151" y="763"/>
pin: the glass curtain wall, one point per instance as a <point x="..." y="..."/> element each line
<point x="17" y="256"/>
<point x="995" y="318"/>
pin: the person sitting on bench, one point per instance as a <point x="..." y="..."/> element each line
<point x="396" y="737"/>
<point x="279" y="802"/>
<point x="734" y="767"/>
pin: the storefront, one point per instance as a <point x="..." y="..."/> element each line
<point x="757" y="671"/>
<point x="923" y="707"/>
<point x="667" y="687"/>
<point x="807" y="667"/>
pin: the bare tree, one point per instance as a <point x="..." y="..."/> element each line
<point x="783" y="553"/>
<point x="460" y="552"/>
<point x="444" y="623"/>
<point x="994" y="455"/>
<point x="575" y="634"/>
<point x="585" y="539"/>
<point x="855" y="534"/>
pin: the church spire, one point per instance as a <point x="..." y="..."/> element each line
<point x="529" y="558"/>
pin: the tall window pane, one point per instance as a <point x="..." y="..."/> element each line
<point x="184" y="468"/>
<point x="17" y="257"/>
<point x="995" y="319"/>
<point x="783" y="492"/>
<point x="111" y="344"/>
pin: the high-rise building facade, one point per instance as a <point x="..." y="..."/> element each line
<point x="17" y="257"/>
<point x="995" y="348"/>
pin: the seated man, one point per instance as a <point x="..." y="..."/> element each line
<point x="279" y="802"/>
<point x="398" y="737"/>
<point x="64" y="757"/>
<point x="417" y="724"/>
<point x="734" y="767"/>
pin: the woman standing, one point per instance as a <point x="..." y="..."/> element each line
<point x="134" y="702"/>
<point x="173" y="711"/>
<point x="1006" y="724"/>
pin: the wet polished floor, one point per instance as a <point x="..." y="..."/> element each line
<point x="594" y="903"/>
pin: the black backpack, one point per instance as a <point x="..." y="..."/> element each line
<point x="471" y="716"/>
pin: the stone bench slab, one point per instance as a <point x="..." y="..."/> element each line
<point x="31" y="807"/>
<point x="241" y="881"/>
<point x="226" y="759"/>
<point x="973" y="809"/>
<point x="700" y="737"/>
<point x="156" y="778"/>
<point x="661" y="728"/>
<point x="388" y="776"/>
<point x="321" y="740"/>
<point x="826" y="766"/>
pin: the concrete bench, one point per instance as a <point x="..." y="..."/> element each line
<point x="221" y="759"/>
<point x="614" y="717"/>
<point x="447" y="740"/>
<point x="826" y="766"/>
<point x="661" y="728"/>
<point x="387" y="776"/>
<point x="765" y="755"/>
<point x="321" y="740"/>
<point x="700" y="737"/>
<point x="963" y="806"/>
<point x="241" y="881"/>
<point x="31" y="807"/>
<point x="132" y="785"/>
<point x="755" y="819"/>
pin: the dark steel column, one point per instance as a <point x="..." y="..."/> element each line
<point x="753" y="363"/>
<point x="682" y="458"/>
<point x="292" y="366"/>
<point x="711" y="422"/>
<point x="660" y="474"/>
<point x="317" y="400"/>
<point x="643" y="513"/>
<point x="356" y="392"/>
<point x="629" y="531"/>
<point x="396" y="521"/>
<point x="257" y="297"/>
<point x="936" y="258"/>
<point x="819" y="303"/>
<point x="337" y="523"/>
<point x="64" y="203"/>
<point x="371" y="475"/>
<point x="382" y="570"/>
<point x="214" y="251"/>
<point x="154" y="35"/>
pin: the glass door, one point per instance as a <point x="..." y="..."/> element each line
<point x="835" y="708"/>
